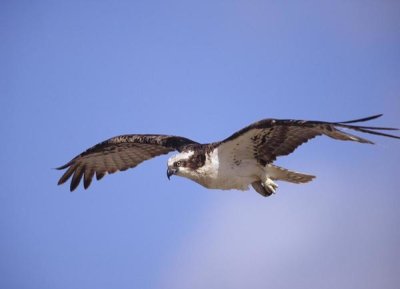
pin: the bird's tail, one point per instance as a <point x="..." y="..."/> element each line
<point x="278" y="173"/>
<point x="267" y="187"/>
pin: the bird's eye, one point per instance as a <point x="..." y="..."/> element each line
<point x="178" y="163"/>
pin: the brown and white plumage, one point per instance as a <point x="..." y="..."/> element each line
<point x="118" y="154"/>
<point x="245" y="158"/>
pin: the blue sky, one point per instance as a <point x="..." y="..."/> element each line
<point x="74" y="73"/>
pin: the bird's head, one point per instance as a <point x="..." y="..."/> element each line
<point x="185" y="164"/>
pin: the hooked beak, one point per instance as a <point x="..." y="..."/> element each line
<point x="171" y="171"/>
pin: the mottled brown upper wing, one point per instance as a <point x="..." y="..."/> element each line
<point x="118" y="154"/>
<point x="267" y="139"/>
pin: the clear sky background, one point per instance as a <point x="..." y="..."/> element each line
<point x="74" y="73"/>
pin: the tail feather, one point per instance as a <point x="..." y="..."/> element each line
<point x="266" y="185"/>
<point x="278" y="173"/>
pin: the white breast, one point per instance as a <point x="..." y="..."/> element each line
<point x="220" y="172"/>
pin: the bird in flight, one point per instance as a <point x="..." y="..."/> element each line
<point x="243" y="159"/>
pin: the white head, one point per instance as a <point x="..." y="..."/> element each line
<point x="185" y="164"/>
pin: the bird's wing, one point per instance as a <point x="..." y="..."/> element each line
<point x="118" y="154"/>
<point x="268" y="139"/>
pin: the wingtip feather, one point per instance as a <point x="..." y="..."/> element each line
<point x="87" y="178"/>
<point x="63" y="167"/>
<point x="363" y="119"/>
<point x="368" y="129"/>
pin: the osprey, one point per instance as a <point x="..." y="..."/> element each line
<point x="243" y="159"/>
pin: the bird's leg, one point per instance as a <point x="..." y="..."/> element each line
<point x="265" y="188"/>
<point x="270" y="186"/>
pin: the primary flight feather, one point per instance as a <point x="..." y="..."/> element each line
<point x="243" y="159"/>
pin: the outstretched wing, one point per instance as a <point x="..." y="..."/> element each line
<point x="268" y="139"/>
<point x="118" y="154"/>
